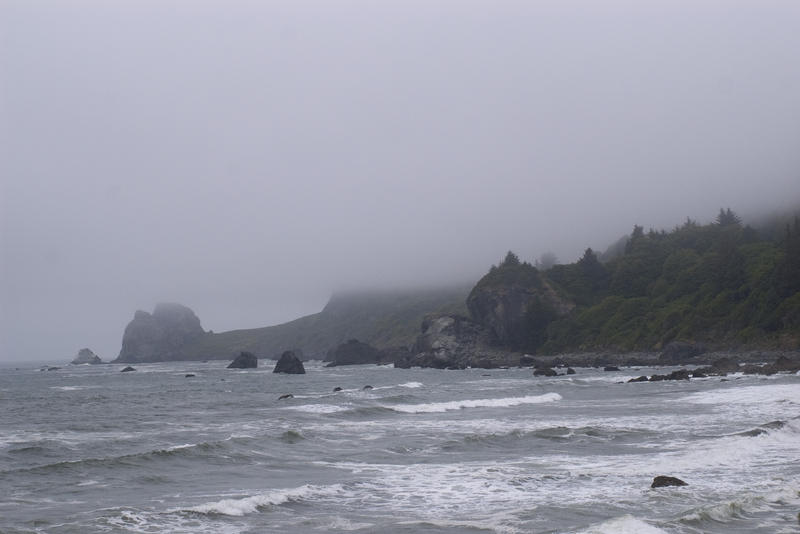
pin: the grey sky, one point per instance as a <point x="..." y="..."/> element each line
<point x="248" y="158"/>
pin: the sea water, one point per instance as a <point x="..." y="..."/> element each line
<point x="87" y="449"/>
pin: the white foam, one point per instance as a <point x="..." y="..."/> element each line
<point x="240" y="507"/>
<point x="436" y="407"/>
<point x="748" y="395"/>
<point x="626" y="524"/>
<point x="319" y="408"/>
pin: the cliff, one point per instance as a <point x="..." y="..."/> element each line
<point x="515" y="304"/>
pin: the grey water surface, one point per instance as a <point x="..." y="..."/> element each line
<point x="87" y="449"/>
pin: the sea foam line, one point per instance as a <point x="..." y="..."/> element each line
<point x="247" y="505"/>
<point x="437" y="407"/>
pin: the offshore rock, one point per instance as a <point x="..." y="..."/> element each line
<point x="245" y="360"/>
<point x="160" y="336"/>
<point x="128" y="369"/>
<point x="354" y="352"/>
<point x="86" y="356"/>
<point x="290" y="364"/>
<point x="662" y="481"/>
<point x="545" y="371"/>
<point x="515" y="304"/>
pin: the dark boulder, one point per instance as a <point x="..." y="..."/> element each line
<point x="127" y="369"/>
<point x="724" y="366"/>
<point x="570" y="371"/>
<point x="189" y="375"/>
<point x="337" y="389"/>
<point x="638" y="379"/>
<point x="784" y="364"/>
<point x="662" y="481"/>
<point x="679" y="352"/>
<point x="680" y="374"/>
<point x="245" y="360"/>
<point x="545" y="371"/>
<point x="609" y="368"/>
<point x="354" y="352"/>
<point x="367" y="388"/>
<point x="286" y="396"/>
<point x="289" y="364"/>
<point x="86" y="356"/>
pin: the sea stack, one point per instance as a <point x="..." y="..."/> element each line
<point x="245" y="360"/>
<point x="289" y="364"/>
<point x="86" y="356"/>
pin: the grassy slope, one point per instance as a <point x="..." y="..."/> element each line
<point x="382" y="319"/>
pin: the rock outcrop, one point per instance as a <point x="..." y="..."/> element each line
<point x="160" y="336"/>
<point x="86" y="356"/>
<point x="679" y="352"/>
<point x="290" y="364"/>
<point x="245" y="360"/>
<point x="354" y="352"/>
<point x="515" y="304"/>
<point x="454" y="342"/>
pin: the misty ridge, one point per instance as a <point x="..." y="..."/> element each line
<point x="329" y="149"/>
<point x="714" y="287"/>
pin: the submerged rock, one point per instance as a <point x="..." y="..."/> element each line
<point x="86" y="356"/>
<point x="545" y="371"/>
<point x="662" y="481"/>
<point x="245" y="360"/>
<point x="286" y="396"/>
<point x="610" y="368"/>
<point x="290" y="364"/>
<point x="127" y="369"/>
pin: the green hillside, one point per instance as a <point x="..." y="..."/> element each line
<point x="724" y="283"/>
<point x="380" y="318"/>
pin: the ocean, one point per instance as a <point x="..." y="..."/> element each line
<point x="88" y="449"/>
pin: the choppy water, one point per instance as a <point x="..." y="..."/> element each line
<point x="89" y="449"/>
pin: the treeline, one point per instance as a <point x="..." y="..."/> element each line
<point x="722" y="283"/>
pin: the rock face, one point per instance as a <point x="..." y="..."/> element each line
<point x="290" y="364"/>
<point x="679" y="352"/>
<point x="86" y="356"/>
<point x="245" y="360"/>
<point x="160" y="336"/>
<point x="515" y="304"/>
<point x="354" y="352"/>
<point x="454" y="342"/>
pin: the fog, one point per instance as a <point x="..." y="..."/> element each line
<point x="248" y="159"/>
